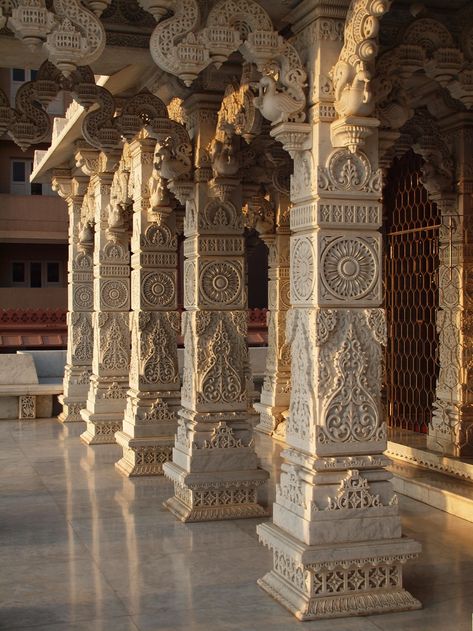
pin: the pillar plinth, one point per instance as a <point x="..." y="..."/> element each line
<point x="150" y="419"/>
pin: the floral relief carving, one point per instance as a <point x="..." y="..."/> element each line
<point x="27" y="406"/>
<point x="83" y="297"/>
<point x="353" y="493"/>
<point x="349" y="269"/>
<point x="114" y="294"/>
<point x="350" y="411"/>
<point x="221" y="381"/>
<point x="302" y="270"/>
<point x="115" y="334"/>
<point x="223" y="438"/>
<point x="158" y="347"/>
<point x="220" y="282"/>
<point x="159" y="289"/>
<point x="82" y="337"/>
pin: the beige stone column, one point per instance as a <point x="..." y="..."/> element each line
<point x="214" y="466"/>
<point x="275" y="393"/>
<point x="110" y="321"/>
<point x="451" y="429"/>
<point x="336" y="533"/>
<point x="154" y="396"/>
<point x="79" y="299"/>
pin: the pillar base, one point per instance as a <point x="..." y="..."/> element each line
<point x="71" y="409"/>
<point x="100" y="431"/>
<point x="211" y="496"/>
<point x="340" y="580"/>
<point x="143" y="456"/>
<point x="272" y="421"/>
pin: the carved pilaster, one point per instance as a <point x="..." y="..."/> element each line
<point x="110" y="320"/>
<point x="451" y="429"/>
<point x="275" y="393"/>
<point x="336" y="533"/>
<point x="154" y="396"/>
<point x="214" y="466"/>
<point x="79" y="298"/>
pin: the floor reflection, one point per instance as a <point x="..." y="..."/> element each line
<point x="85" y="549"/>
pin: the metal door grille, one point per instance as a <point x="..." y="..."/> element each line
<point x="411" y="295"/>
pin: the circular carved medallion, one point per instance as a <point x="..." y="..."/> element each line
<point x="302" y="273"/>
<point x="114" y="294"/>
<point x="220" y="282"/>
<point x="158" y="289"/>
<point x="348" y="170"/>
<point x="83" y="297"/>
<point x="349" y="269"/>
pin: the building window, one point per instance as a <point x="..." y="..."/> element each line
<point x="18" y="273"/>
<point x="36" y="276"/>
<point x="20" y="177"/>
<point x="52" y="273"/>
<point x="36" y="273"/>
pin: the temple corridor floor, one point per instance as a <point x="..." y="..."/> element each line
<point x="84" y="549"/>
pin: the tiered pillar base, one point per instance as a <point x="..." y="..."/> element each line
<point x="340" y="580"/>
<point x="200" y="497"/>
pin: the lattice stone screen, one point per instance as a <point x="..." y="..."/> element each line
<point x="411" y="292"/>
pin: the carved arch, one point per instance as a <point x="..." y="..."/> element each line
<point x="180" y="46"/>
<point x="29" y="122"/>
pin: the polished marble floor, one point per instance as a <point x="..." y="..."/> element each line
<point x="84" y="549"/>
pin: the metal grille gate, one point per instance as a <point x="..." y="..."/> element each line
<point x="411" y="296"/>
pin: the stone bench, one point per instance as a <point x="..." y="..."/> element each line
<point x="27" y="385"/>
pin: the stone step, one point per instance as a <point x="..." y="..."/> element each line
<point x="440" y="490"/>
<point x="412" y="448"/>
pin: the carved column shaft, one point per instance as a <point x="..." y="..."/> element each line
<point x="214" y="467"/>
<point x="277" y="380"/>
<point x="79" y="300"/>
<point x="451" y="430"/>
<point x="336" y="533"/>
<point x="110" y="321"/>
<point x="150" y="418"/>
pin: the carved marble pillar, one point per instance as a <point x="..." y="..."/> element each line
<point x="335" y="533"/>
<point x="214" y="467"/>
<point x="150" y="418"/>
<point x="79" y="298"/>
<point x="451" y="429"/>
<point x="110" y="321"/>
<point x="277" y="380"/>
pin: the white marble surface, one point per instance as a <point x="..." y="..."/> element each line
<point x="84" y="549"/>
<point x="17" y="369"/>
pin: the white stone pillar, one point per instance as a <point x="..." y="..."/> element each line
<point x="275" y="393"/>
<point x="214" y="467"/>
<point x="150" y="418"/>
<point x="79" y="299"/>
<point x="335" y="533"/>
<point x="110" y="321"/>
<point x="451" y="429"/>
